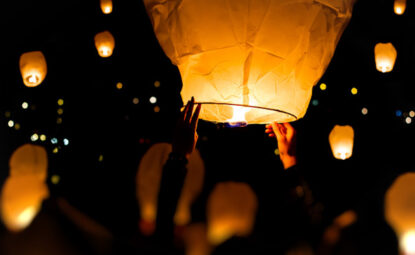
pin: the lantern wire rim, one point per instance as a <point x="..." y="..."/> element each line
<point x="251" y="106"/>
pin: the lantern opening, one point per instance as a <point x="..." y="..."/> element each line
<point x="408" y="242"/>
<point x="238" y="117"/>
<point x="105" y="51"/>
<point x="343" y="155"/>
<point x="398" y="10"/>
<point x="107" y="10"/>
<point x="32" y="79"/>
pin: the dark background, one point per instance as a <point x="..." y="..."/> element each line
<point x="101" y="121"/>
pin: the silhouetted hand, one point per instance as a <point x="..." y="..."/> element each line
<point x="286" y="138"/>
<point x="185" y="136"/>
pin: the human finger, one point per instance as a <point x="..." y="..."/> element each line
<point x="189" y="111"/>
<point x="195" y="118"/>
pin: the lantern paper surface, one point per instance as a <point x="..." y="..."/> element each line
<point x="106" y="6"/>
<point x="195" y="240"/>
<point x="29" y="159"/>
<point x="341" y="140"/>
<point x="33" y="68"/>
<point x="105" y="43"/>
<point x="400" y="210"/>
<point x="231" y="210"/>
<point x="149" y="177"/>
<point x="265" y="55"/>
<point x="385" y="56"/>
<point x="21" y="200"/>
<point x="399" y="6"/>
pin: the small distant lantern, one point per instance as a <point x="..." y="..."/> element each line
<point x="249" y="65"/>
<point x="341" y="140"/>
<point x="399" y="6"/>
<point x="148" y="183"/>
<point x="33" y="68"/>
<point x="231" y="211"/>
<point x="105" y="43"/>
<point x="106" y="6"/>
<point x="21" y="200"/>
<point x="29" y="159"/>
<point x="400" y="211"/>
<point x="385" y="56"/>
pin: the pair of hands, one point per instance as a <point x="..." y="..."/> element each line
<point x="286" y="138"/>
<point x="185" y="136"/>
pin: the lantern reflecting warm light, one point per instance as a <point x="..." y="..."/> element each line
<point x="400" y="211"/>
<point x="149" y="177"/>
<point x="250" y="61"/>
<point x="231" y="210"/>
<point x="399" y="6"/>
<point x="105" y="43"/>
<point x="385" y="56"/>
<point x="29" y="159"/>
<point x="33" y="68"/>
<point x="341" y="140"/>
<point x="106" y="6"/>
<point x="195" y="240"/>
<point x="21" y="200"/>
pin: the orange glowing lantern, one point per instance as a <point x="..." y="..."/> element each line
<point x="385" y="56"/>
<point x="399" y="6"/>
<point x="106" y="6"/>
<point x="341" y="140"/>
<point x="105" y="43"/>
<point x="149" y="177"/>
<point x="249" y="62"/>
<point x="21" y="200"/>
<point x="31" y="160"/>
<point x="400" y="211"/>
<point x="231" y="211"/>
<point x="33" y="68"/>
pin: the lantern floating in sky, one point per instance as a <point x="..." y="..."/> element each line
<point x="231" y="210"/>
<point x="341" y="140"/>
<point x="385" y="56"/>
<point x="149" y="177"/>
<point x="400" y="211"/>
<point x="33" y="68"/>
<point x="29" y="159"/>
<point x="252" y="61"/>
<point x="106" y="6"/>
<point x="21" y="199"/>
<point x="105" y="43"/>
<point x="399" y="6"/>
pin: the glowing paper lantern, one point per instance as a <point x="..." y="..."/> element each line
<point x="255" y="59"/>
<point x="21" y="200"/>
<point x="385" y="56"/>
<point x="29" y="159"/>
<point x="341" y="140"/>
<point x="399" y="6"/>
<point x="231" y="210"/>
<point x="105" y="43"/>
<point x="400" y="211"/>
<point x="106" y="6"/>
<point x="195" y="240"/>
<point x="149" y="177"/>
<point x="33" y="68"/>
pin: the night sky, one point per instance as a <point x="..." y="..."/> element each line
<point x="107" y="131"/>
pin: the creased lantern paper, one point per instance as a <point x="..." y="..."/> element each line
<point x="33" y="68"/>
<point x="231" y="210"/>
<point x="263" y="54"/>
<point x="385" y="57"/>
<point x="149" y="177"/>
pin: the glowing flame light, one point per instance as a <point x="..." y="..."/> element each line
<point x="408" y="242"/>
<point x="238" y="117"/>
<point x="25" y="217"/>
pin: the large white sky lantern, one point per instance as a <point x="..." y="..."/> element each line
<point x="253" y="59"/>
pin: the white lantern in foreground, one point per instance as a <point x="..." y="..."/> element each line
<point x="149" y="177"/>
<point x="252" y="61"/>
<point x="21" y="200"/>
<point x="231" y="210"/>
<point x="400" y="211"/>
